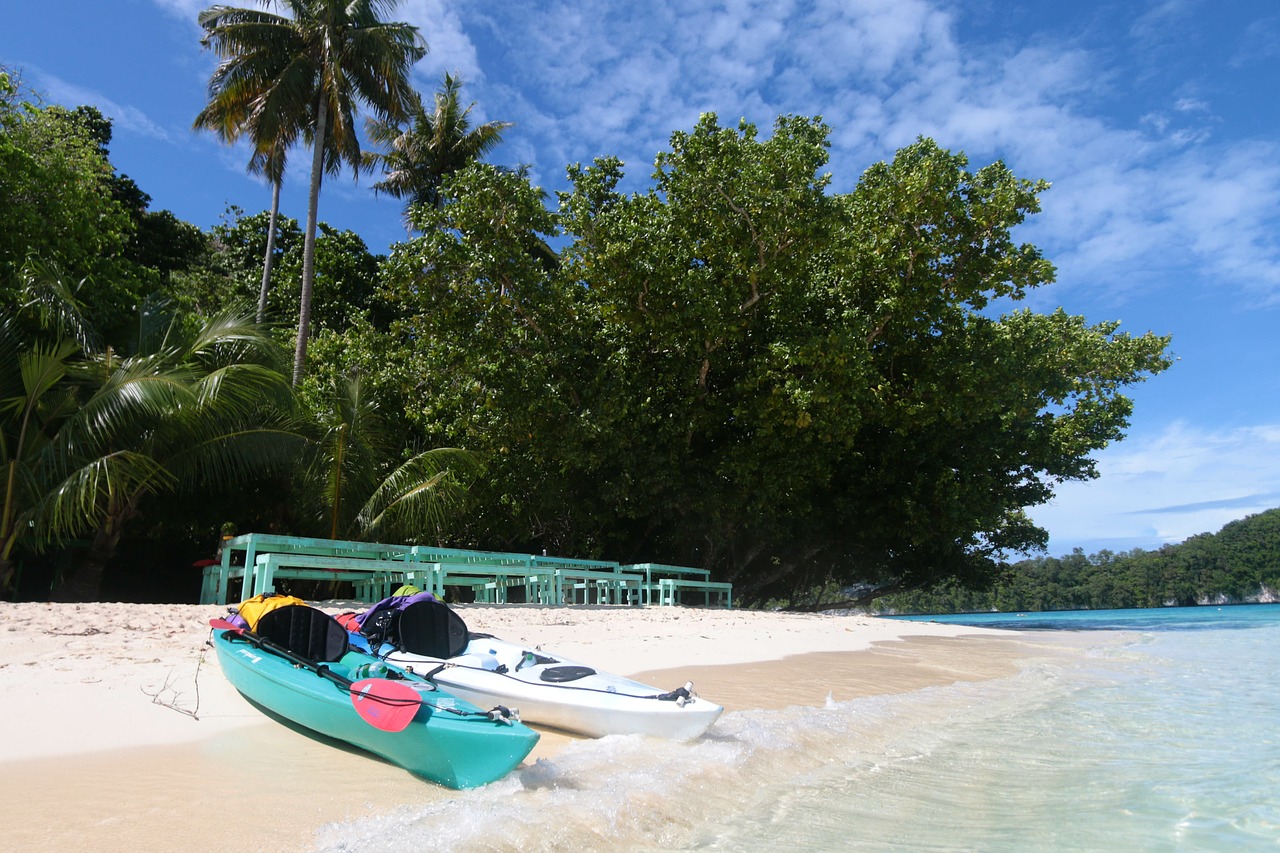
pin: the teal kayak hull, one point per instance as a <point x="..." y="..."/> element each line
<point x="449" y="741"/>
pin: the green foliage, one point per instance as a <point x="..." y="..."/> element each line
<point x="1239" y="563"/>
<point x="346" y="275"/>
<point x="740" y="370"/>
<point x="477" y="359"/>
<point x="361" y="480"/>
<point x="231" y="272"/>
<point x="56" y="191"/>
<point x="66" y="207"/>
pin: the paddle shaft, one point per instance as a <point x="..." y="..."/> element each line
<point x="277" y="649"/>
<point x="387" y="705"/>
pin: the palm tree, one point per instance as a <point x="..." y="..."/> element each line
<point x="193" y="410"/>
<point x="86" y="433"/>
<point x="236" y="108"/>
<point x="433" y="146"/>
<point x="305" y="74"/>
<point x="364" y="493"/>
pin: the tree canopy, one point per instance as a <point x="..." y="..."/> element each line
<point x="742" y="370"/>
<point x="59" y="193"/>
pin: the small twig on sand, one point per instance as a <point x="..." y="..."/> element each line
<point x="172" y="703"/>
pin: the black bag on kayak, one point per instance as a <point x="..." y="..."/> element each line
<point x="380" y="623"/>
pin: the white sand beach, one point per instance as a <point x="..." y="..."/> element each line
<point x="120" y="732"/>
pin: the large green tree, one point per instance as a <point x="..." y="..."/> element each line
<point x="307" y="72"/>
<point x="480" y="337"/>
<point x="57" y="191"/>
<point x="346" y="272"/>
<point x="743" y="370"/>
<point x="421" y="153"/>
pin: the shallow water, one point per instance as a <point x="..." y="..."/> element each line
<point x="1155" y="739"/>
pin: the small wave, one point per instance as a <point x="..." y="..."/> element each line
<point x="639" y="793"/>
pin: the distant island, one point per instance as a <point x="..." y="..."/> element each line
<point x="1240" y="564"/>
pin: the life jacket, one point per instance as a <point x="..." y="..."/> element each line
<point x="249" y="612"/>
<point x="379" y="624"/>
<point x="350" y="621"/>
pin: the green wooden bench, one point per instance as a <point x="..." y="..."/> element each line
<point x="655" y="572"/>
<point x="490" y="582"/>
<point x="376" y="569"/>
<point x="373" y="579"/>
<point x="561" y="586"/>
<point x="215" y="586"/>
<point x="670" y="590"/>
<point x="455" y="556"/>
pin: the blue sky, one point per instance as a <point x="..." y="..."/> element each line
<point x="1156" y="121"/>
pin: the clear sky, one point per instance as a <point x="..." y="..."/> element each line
<point x="1157" y="122"/>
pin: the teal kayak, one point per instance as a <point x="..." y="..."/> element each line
<point x="440" y="737"/>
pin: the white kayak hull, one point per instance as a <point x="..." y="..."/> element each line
<point x="495" y="672"/>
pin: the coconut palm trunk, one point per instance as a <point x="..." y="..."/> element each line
<point x="269" y="260"/>
<point x="85" y="582"/>
<point x="309" y="242"/>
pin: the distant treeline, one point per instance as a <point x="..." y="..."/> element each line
<point x="1239" y="563"/>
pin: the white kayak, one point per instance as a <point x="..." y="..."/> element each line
<point x="547" y="689"/>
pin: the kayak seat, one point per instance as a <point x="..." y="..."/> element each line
<point x="558" y="674"/>
<point x="430" y="628"/>
<point x="305" y="631"/>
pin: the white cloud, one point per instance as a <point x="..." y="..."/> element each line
<point x="1127" y="201"/>
<point x="1164" y="487"/>
<point x="1260" y="43"/>
<point x="450" y="48"/>
<point x="123" y="116"/>
<point x="1151" y="26"/>
<point x="186" y="10"/>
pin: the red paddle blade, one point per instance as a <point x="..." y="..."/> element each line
<point x="223" y="625"/>
<point x="385" y="704"/>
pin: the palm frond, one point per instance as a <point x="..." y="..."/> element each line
<point x="92" y="491"/>
<point x="52" y="299"/>
<point x="236" y="454"/>
<point x="124" y="411"/>
<point x="417" y="498"/>
<point x="240" y="390"/>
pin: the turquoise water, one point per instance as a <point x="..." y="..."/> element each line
<point x="1224" y="618"/>
<point x="1132" y="730"/>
